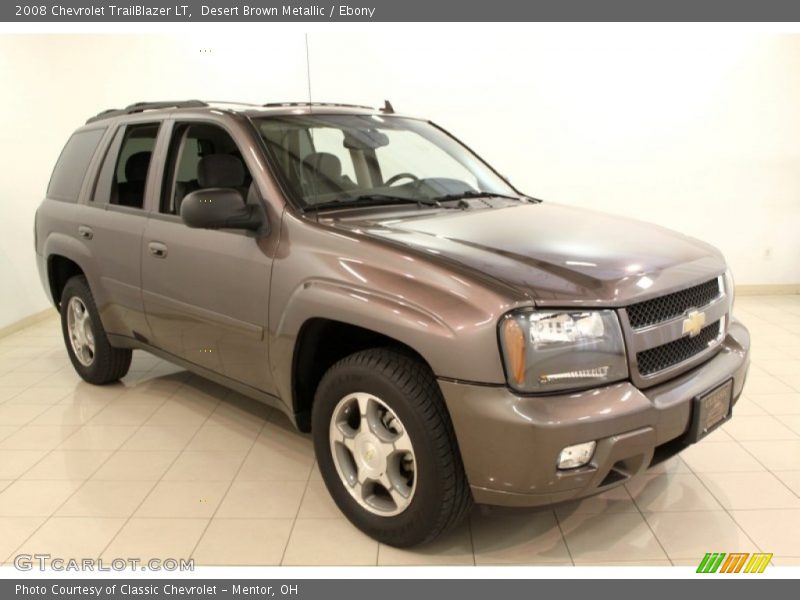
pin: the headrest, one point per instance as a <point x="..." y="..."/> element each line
<point x="325" y="163"/>
<point x="136" y="166"/>
<point x="220" y="170"/>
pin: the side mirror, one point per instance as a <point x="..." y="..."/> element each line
<point x="219" y="208"/>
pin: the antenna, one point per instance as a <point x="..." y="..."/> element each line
<point x="308" y="74"/>
<point x="387" y="109"/>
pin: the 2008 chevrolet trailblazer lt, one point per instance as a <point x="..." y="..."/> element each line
<point x="445" y="338"/>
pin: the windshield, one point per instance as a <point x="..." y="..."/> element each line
<point x="340" y="159"/>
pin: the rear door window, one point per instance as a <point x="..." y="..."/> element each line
<point x="102" y="186"/>
<point x="131" y="165"/>
<point x="70" y="170"/>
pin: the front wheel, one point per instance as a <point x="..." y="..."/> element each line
<point x="93" y="357"/>
<point x="386" y="448"/>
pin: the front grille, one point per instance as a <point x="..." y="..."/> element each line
<point x="672" y="305"/>
<point x="675" y="352"/>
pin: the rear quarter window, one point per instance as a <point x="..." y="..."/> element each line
<point x="70" y="169"/>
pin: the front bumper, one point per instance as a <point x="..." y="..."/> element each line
<point x="510" y="443"/>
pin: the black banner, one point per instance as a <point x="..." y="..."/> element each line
<point x="401" y="10"/>
<point x="711" y="586"/>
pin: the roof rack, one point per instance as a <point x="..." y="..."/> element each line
<point x="312" y="104"/>
<point x="231" y="102"/>
<point x="143" y="106"/>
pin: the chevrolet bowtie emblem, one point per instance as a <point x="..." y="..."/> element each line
<point x="694" y="322"/>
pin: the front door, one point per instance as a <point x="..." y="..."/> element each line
<point x="206" y="292"/>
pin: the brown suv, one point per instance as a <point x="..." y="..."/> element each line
<point x="445" y="338"/>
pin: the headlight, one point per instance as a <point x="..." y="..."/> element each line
<point x="548" y="351"/>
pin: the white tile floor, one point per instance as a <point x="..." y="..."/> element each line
<point x="167" y="464"/>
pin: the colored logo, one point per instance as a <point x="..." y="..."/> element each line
<point x="735" y="562"/>
<point x="694" y="323"/>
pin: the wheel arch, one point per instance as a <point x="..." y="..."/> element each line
<point x="428" y="323"/>
<point x="65" y="258"/>
<point x="312" y="357"/>
<point x="60" y="269"/>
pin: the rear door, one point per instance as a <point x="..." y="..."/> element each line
<point x="112" y="221"/>
<point x="206" y="291"/>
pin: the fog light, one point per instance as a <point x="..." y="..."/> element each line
<point x="575" y="456"/>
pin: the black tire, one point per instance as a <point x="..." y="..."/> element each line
<point x="407" y="386"/>
<point x="109" y="364"/>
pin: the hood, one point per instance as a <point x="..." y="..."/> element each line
<point x="554" y="254"/>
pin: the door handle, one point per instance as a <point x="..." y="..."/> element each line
<point x="85" y="232"/>
<point x="157" y="249"/>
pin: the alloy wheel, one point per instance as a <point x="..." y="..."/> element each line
<point x="81" y="336"/>
<point x="373" y="454"/>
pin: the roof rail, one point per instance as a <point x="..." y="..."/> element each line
<point x="312" y="104"/>
<point x="143" y="106"/>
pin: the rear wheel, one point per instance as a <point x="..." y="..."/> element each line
<point x="386" y="448"/>
<point x="93" y="357"/>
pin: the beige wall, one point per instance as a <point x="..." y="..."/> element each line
<point x="696" y="131"/>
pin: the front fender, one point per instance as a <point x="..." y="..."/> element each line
<point x="441" y="313"/>
<point x="364" y="308"/>
<point x="443" y="345"/>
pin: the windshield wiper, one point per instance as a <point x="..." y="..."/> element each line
<point x="476" y="194"/>
<point x="371" y="200"/>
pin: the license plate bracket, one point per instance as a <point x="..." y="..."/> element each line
<point x="710" y="410"/>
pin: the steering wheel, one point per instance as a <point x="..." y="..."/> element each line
<point x="395" y="178"/>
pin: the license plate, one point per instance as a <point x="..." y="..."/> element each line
<point x="711" y="410"/>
